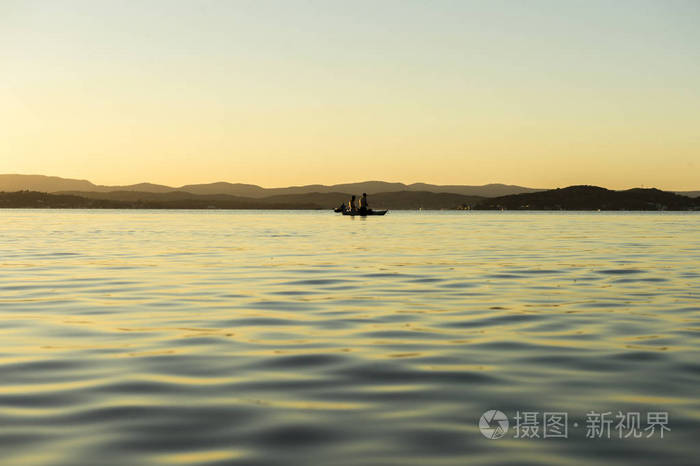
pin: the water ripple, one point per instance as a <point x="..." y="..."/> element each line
<point x="277" y="338"/>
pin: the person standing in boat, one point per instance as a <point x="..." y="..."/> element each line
<point x="364" y="207"/>
<point x="351" y="205"/>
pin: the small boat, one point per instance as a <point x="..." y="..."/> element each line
<point x="364" y="214"/>
<point x="343" y="209"/>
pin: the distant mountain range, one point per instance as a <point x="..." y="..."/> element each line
<point x="53" y="184"/>
<point x="571" y="198"/>
<point x="48" y="191"/>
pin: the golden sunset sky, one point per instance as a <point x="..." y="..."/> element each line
<point x="276" y="93"/>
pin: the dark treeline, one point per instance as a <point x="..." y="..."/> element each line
<point x="592" y="198"/>
<point x="571" y="198"/>
<point x="33" y="199"/>
<point x="406" y="200"/>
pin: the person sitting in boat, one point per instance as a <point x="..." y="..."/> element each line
<point x="351" y="205"/>
<point x="364" y="207"/>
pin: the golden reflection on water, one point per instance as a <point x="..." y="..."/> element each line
<point x="275" y="337"/>
<point x="199" y="457"/>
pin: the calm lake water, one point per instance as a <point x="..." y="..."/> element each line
<point x="292" y="338"/>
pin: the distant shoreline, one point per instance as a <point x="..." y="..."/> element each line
<point x="574" y="198"/>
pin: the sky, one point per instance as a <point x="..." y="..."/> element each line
<point x="276" y="93"/>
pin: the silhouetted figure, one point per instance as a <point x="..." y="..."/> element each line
<point x="351" y="205"/>
<point x="364" y="207"/>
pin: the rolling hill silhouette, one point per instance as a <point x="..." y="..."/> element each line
<point x="83" y="193"/>
<point x="592" y="198"/>
<point x="53" y="184"/>
<point x="571" y="198"/>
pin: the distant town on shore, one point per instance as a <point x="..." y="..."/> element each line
<point x="37" y="191"/>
